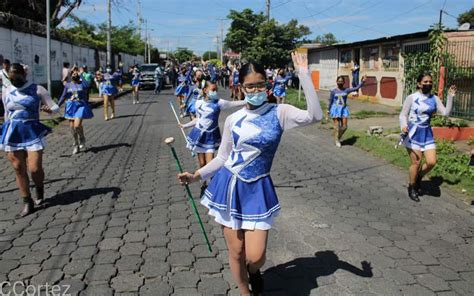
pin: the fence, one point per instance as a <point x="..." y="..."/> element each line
<point x="459" y="70"/>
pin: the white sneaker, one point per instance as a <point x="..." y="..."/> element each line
<point x="82" y="144"/>
<point x="76" y="150"/>
<point x="338" y="144"/>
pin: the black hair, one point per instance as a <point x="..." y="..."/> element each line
<point x="420" y="77"/>
<point x="340" y="77"/>
<point x="17" y="68"/>
<point x="66" y="64"/>
<point x="6" y="61"/>
<point x="251" y="67"/>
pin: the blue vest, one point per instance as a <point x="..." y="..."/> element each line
<point x="23" y="105"/>
<point x="208" y="114"/>
<point x="255" y="135"/>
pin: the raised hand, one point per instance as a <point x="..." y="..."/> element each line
<point x="452" y="90"/>
<point x="300" y="61"/>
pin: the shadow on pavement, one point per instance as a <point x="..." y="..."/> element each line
<point x="74" y="196"/>
<point x="106" y="147"/>
<point x="32" y="185"/>
<point x="432" y="187"/>
<point x="349" y="141"/>
<point x="300" y="276"/>
<point x="129" y="115"/>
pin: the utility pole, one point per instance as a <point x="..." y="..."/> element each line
<point x="440" y="18"/>
<point x="109" y="28"/>
<point x="146" y="40"/>
<point x="217" y="45"/>
<point x="268" y="10"/>
<point x="48" y="45"/>
<point x="139" y="19"/>
<point x="222" y="40"/>
<point x="149" y="48"/>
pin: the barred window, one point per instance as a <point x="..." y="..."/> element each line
<point x="420" y="47"/>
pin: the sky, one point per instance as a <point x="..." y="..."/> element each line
<point x="195" y="24"/>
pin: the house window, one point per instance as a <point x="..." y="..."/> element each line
<point x="420" y="47"/>
<point x="370" y="56"/>
<point x="390" y="56"/>
<point x="346" y="56"/>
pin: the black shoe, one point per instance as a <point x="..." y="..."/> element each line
<point x="256" y="283"/>
<point x="28" y="207"/>
<point x="418" y="183"/>
<point x="413" y="193"/>
<point x="39" y="196"/>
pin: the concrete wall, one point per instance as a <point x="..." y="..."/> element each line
<point x="30" y="49"/>
<point x="326" y="62"/>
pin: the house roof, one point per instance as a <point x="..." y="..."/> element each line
<point x="415" y="35"/>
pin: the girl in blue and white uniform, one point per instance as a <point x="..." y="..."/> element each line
<point x="205" y="137"/>
<point x="23" y="135"/>
<point x="108" y="81"/>
<point x="279" y="86"/>
<point x="338" y="109"/>
<point x="182" y="89"/>
<point x="77" y="108"/>
<point x="241" y="195"/>
<point x="194" y="92"/>
<point x="415" y="117"/>
<point x="135" y="81"/>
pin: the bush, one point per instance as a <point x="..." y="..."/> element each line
<point x="443" y="121"/>
<point x="451" y="162"/>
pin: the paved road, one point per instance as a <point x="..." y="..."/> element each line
<point x="117" y="222"/>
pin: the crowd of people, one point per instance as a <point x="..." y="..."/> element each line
<point x="234" y="167"/>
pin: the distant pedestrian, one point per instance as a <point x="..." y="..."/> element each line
<point x="355" y="74"/>
<point x="108" y="88"/>
<point x="338" y="109"/>
<point x="280" y="85"/>
<point x="77" y="108"/>
<point x="4" y="77"/>
<point x="158" y="79"/>
<point x="88" y="77"/>
<point x="135" y="82"/>
<point x="66" y="73"/>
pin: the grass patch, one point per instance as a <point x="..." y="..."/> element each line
<point x="52" y="123"/>
<point x="451" y="167"/>
<point x="292" y="99"/>
<point x="362" y="114"/>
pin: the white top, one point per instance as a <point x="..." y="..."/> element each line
<point x="288" y="116"/>
<point x="223" y="105"/>
<point x="41" y="92"/>
<point x="409" y="114"/>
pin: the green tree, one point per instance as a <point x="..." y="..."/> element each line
<point x="326" y="39"/>
<point x="267" y="42"/>
<point x="183" y="54"/>
<point x="124" y="38"/>
<point x="36" y="10"/>
<point x="209" y="55"/>
<point x="467" y="17"/>
<point x="243" y="29"/>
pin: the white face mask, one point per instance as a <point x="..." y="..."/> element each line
<point x="212" y="95"/>
<point x="256" y="99"/>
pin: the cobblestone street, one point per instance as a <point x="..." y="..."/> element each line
<point x="117" y="221"/>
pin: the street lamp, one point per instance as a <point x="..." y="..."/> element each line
<point x="48" y="46"/>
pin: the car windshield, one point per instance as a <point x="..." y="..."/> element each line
<point x="147" y="68"/>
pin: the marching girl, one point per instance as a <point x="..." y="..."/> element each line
<point x="279" y="86"/>
<point x="109" y="90"/>
<point x="235" y="83"/>
<point x="241" y="195"/>
<point x="194" y="92"/>
<point x="338" y="109"/>
<point x="205" y="137"/>
<point x="77" y="108"/>
<point x="182" y="88"/>
<point x="23" y="135"/>
<point x="135" y="81"/>
<point x="415" y="117"/>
